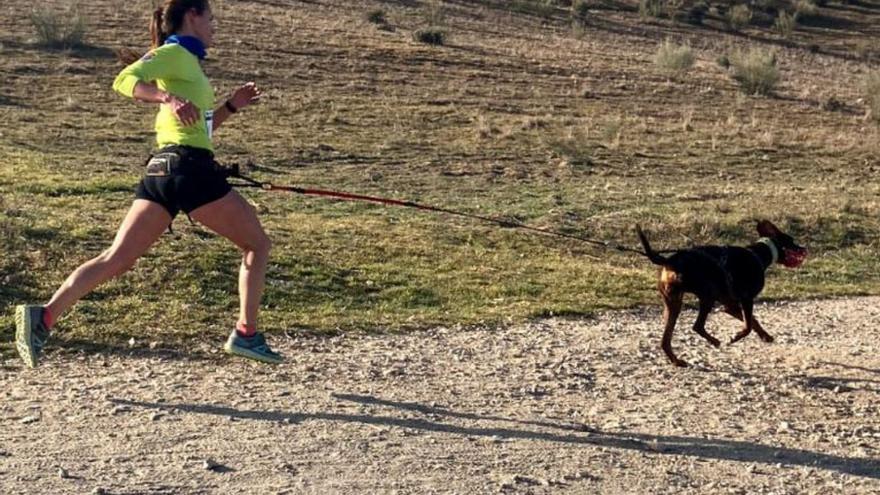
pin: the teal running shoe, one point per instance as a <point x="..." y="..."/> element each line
<point x="30" y="333"/>
<point x="254" y="347"/>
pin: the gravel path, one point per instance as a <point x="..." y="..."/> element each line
<point x="554" y="406"/>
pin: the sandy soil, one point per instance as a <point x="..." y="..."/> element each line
<point x="554" y="406"/>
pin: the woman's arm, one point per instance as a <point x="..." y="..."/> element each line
<point x="136" y="81"/>
<point x="241" y="97"/>
<point x="185" y="111"/>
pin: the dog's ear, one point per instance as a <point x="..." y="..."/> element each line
<point x="767" y="229"/>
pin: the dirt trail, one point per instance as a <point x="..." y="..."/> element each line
<point x="555" y="406"/>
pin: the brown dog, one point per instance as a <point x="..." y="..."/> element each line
<point x="731" y="275"/>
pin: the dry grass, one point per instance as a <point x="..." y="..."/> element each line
<point x="755" y="70"/>
<point x="673" y="58"/>
<point x="58" y="28"/>
<point x="738" y="17"/>
<point x="513" y="118"/>
<point x="651" y="8"/>
<point x="785" y="24"/>
<point x="805" y="9"/>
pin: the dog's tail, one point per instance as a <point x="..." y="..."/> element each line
<point x="652" y="255"/>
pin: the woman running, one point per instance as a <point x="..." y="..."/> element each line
<point x="181" y="176"/>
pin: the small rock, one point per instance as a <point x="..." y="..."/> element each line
<point x="29" y="419"/>
<point x="210" y="465"/>
<point x="62" y="473"/>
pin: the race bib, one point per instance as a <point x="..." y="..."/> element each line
<point x="209" y="123"/>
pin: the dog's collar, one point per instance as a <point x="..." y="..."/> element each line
<point x="774" y="251"/>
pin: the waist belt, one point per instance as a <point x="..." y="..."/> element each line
<point x="173" y="160"/>
<point x="163" y="164"/>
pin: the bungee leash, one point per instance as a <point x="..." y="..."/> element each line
<point x="235" y="173"/>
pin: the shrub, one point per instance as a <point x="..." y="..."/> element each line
<point x="673" y="9"/>
<point x="650" y="8"/>
<point x="739" y="17"/>
<point x="674" y="58"/>
<point x="755" y="71"/>
<point x="58" y="29"/>
<point x="376" y="16"/>
<point x="805" y="8"/>
<point x="785" y="23"/>
<point x="431" y="36"/>
<point x="580" y="10"/>
<point x="696" y="13"/>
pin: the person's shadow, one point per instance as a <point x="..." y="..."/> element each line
<point x="708" y="448"/>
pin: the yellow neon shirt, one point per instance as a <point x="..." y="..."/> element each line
<point x="177" y="71"/>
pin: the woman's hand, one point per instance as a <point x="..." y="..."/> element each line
<point x="184" y="110"/>
<point x="245" y="95"/>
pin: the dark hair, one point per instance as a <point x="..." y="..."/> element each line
<point x="168" y="18"/>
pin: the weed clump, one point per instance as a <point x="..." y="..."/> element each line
<point x="755" y="71"/>
<point x="738" y="17"/>
<point x="376" y="16"/>
<point x="430" y="36"/>
<point x="785" y="23"/>
<point x="673" y="58"/>
<point x="58" y="29"/>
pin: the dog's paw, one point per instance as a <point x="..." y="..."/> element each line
<point x="680" y="363"/>
<point x="767" y="338"/>
<point x="715" y="343"/>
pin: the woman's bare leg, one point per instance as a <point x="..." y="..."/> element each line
<point x="233" y="218"/>
<point x="142" y="226"/>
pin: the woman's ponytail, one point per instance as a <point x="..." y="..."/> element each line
<point x="157" y="32"/>
<point x="165" y="21"/>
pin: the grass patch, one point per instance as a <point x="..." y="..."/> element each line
<point x="805" y="9"/>
<point x="430" y="36"/>
<point x="785" y="24"/>
<point x="738" y="17"/>
<point x="755" y="70"/>
<point x="673" y="58"/>
<point x="58" y="29"/>
<point x="580" y="11"/>
<point x="520" y="131"/>
<point x="376" y="16"/>
<point x="651" y="9"/>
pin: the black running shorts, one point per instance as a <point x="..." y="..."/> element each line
<point x="195" y="181"/>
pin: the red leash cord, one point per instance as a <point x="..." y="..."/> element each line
<point x="268" y="186"/>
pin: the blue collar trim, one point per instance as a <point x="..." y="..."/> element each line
<point x="191" y="43"/>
